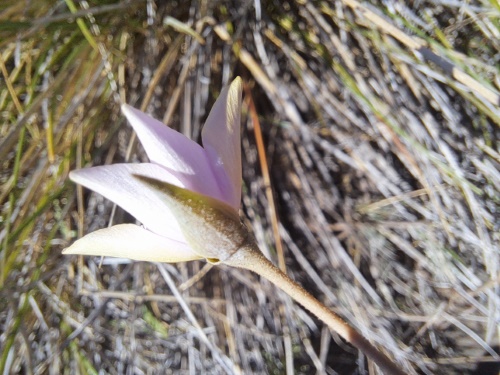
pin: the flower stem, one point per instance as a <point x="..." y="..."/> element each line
<point x="252" y="259"/>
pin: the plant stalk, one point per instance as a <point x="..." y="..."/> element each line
<point x="252" y="259"/>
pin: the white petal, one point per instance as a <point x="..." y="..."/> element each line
<point x="221" y="140"/>
<point x="133" y="242"/>
<point x="116" y="183"/>
<point x="175" y="152"/>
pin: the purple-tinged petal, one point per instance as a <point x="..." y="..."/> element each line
<point x="115" y="182"/>
<point x="221" y="140"/>
<point x="134" y="242"/>
<point x="175" y="152"/>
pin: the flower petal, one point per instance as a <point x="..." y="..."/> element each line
<point x="175" y="152"/>
<point x="116" y="183"/>
<point x="221" y="140"/>
<point x="211" y="227"/>
<point x="134" y="242"/>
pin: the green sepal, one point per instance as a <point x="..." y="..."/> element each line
<point x="211" y="227"/>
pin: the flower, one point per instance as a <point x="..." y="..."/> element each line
<point x="187" y="197"/>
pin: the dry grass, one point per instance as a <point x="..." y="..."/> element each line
<point x="380" y="130"/>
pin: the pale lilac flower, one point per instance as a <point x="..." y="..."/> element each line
<point x="188" y="198"/>
<point x="174" y="195"/>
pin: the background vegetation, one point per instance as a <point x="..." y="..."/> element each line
<point x="371" y="174"/>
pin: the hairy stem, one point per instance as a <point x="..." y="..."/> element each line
<point x="252" y="259"/>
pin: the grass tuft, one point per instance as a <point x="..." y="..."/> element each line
<point x="371" y="173"/>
